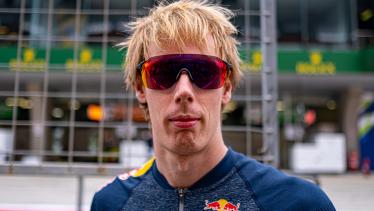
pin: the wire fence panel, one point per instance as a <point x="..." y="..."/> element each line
<point x="63" y="109"/>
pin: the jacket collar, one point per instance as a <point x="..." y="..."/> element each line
<point x="217" y="173"/>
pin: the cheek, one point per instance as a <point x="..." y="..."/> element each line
<point x="212" y="107"/>
<point x="156" y="105"/>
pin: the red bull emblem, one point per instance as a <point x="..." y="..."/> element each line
<point x="221" y="205"/>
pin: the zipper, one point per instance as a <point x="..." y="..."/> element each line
<point x="181" y="192"/>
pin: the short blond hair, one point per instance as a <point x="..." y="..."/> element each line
<point x="180" y="23"/>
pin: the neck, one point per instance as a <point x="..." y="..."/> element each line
<point x="182" y="171"/>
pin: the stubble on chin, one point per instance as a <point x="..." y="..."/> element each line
<point x="185" y="143"/>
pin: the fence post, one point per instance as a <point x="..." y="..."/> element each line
<point x="80" y="192"/>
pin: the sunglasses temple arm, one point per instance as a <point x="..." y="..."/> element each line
<point x="139" y="66"/>
<point x="229" y="70"/>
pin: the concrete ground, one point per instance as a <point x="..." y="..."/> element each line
<point x="349" y="192"/>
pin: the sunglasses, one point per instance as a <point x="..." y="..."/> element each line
<point x="162" y="72"/>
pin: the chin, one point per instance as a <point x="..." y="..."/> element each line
<point x="186" y="144"/>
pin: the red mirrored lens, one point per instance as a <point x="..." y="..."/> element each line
<point x="162" y="72"/>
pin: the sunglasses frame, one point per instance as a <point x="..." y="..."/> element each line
<point x="139" y="67"/>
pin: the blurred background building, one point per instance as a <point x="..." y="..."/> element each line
<point x="62" y="96"/>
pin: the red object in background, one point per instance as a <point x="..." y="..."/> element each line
<point x="353" y="161"/>
<point x="310" y="117"/>
<point x="366" y="166"/>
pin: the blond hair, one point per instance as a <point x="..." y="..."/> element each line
<point x="180" y="23"/>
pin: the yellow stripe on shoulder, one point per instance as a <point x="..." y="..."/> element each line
<point x="144" y="169"/>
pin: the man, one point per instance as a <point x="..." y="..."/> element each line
<point x="182" y="62"/>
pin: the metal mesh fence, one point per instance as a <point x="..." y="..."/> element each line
<point x="63" y="109"/>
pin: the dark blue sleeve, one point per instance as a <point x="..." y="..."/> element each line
<point x="298" y="194"/>
<point x="274" y="190"/>
<point x="113" y="196"/>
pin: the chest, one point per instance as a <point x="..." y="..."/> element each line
<point x="230" y="195"/>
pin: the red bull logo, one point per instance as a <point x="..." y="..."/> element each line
<point x="221" y="205"/>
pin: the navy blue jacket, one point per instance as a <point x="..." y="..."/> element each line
<point x="236" y="183"/>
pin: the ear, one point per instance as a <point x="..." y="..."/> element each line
<point x="140" y="94"/>
<point x="226" y="95"/>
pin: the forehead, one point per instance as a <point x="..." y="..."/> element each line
<point x="208" y="49"/>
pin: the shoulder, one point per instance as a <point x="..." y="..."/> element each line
<point x="115" y="194"/>
<point x="274" y="190"/>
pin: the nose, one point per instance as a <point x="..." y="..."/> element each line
<point x="184" y="89"/>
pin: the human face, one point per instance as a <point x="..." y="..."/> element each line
<point x="185" y="119"/>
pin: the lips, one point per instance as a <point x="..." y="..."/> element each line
<point x="184" y="121"/>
